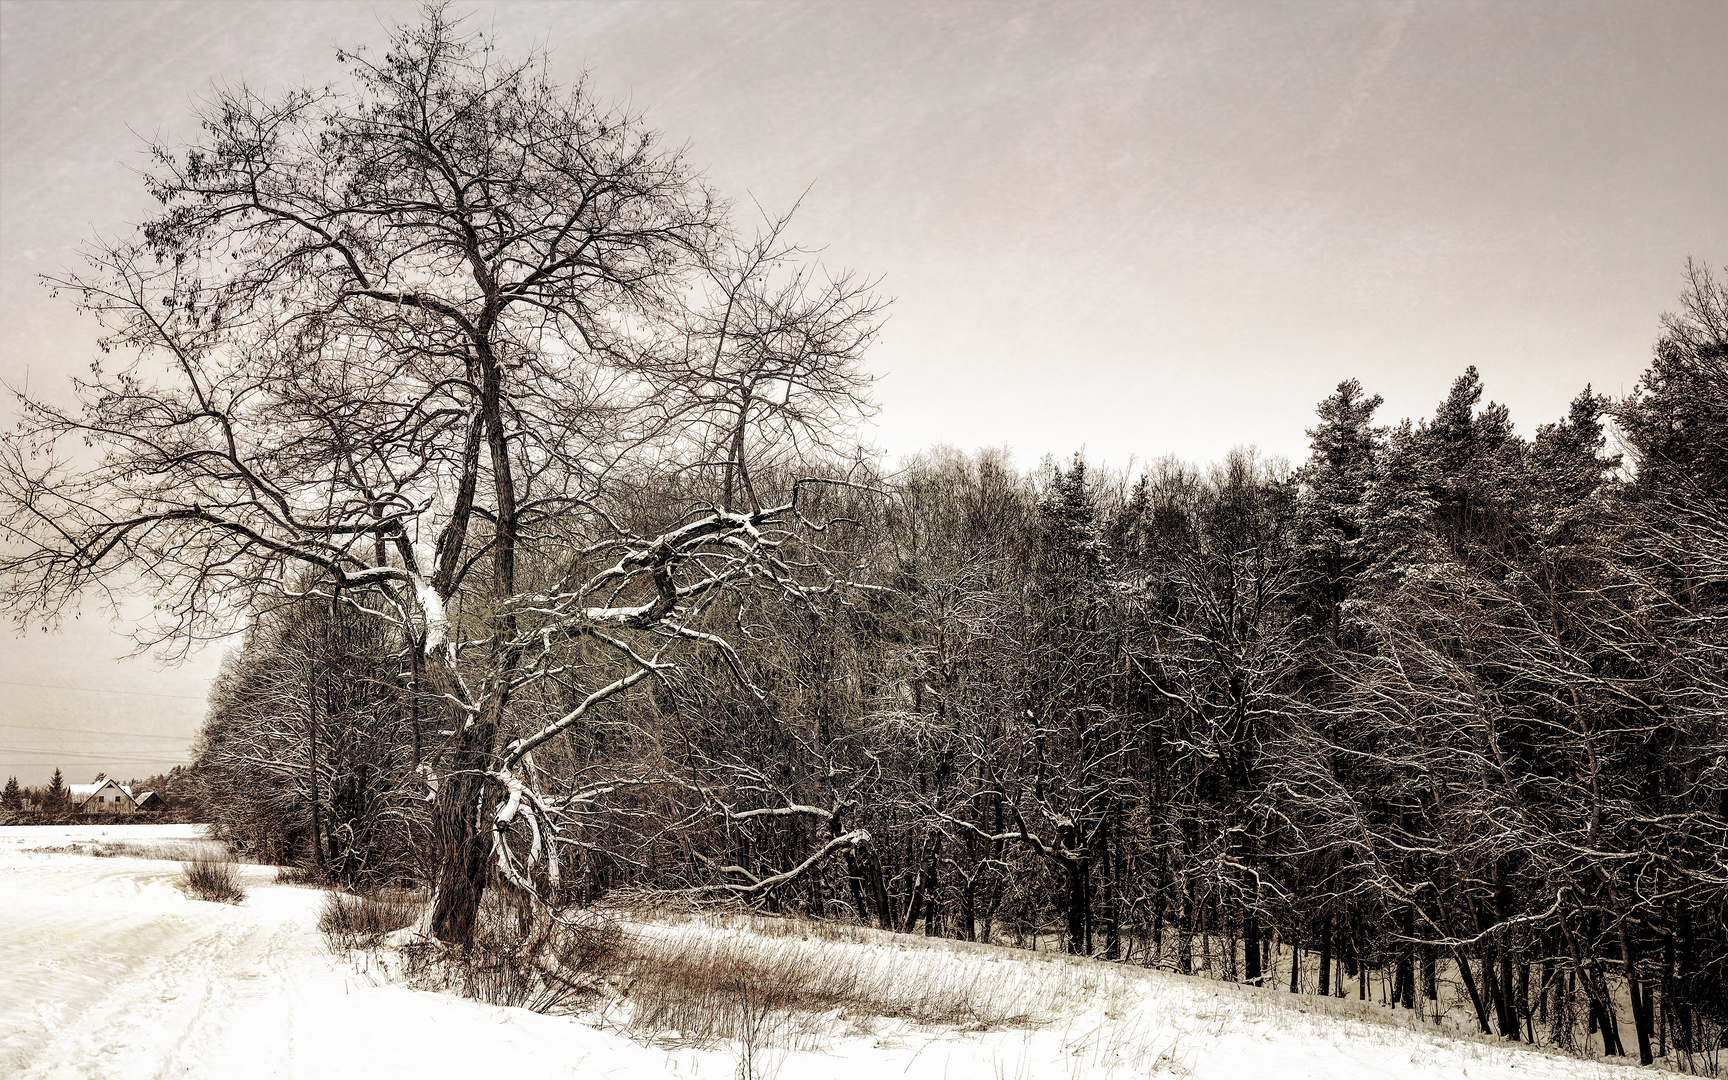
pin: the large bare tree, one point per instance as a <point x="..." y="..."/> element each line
<point x="390" y="345"/>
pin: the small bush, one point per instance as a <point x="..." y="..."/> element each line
<point x="211" y="878"/>
<point x="364" y="921"/>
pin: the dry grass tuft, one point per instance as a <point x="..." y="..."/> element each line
<point x="210" y="877"/>
<point x="364" y="921"/>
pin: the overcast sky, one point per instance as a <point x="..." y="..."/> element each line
<point x="1135" y="228"/>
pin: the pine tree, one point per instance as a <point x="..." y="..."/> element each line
<point x="1675" y="428"/>
<point x="1334" y="485"/>
<point x="11" y="799"/>
<point x="58" y="797"/>
<point x="1470" y="454"/>
<point x="1398" y="512"/>
<point x="1569" y="468"/>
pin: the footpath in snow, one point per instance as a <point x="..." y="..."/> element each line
<point x="108" y="970"/>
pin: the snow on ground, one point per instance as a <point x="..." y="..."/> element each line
<point x="108" y="970"/>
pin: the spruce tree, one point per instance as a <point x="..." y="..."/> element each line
<point x="11" y="799"/>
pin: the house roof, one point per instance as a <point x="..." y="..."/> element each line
<point x="80" y="792"/>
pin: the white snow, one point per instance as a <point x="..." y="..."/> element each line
<point x="108" y="970"/>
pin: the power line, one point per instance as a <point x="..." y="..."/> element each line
<point x="52" y="752"/>
<point x="90" y="755"/>
<point x="92" y="731"/>
<point x="94" y="690"/>
<point x="100" y="763"/>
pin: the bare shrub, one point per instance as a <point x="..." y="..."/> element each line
<point x="363" y="921"/>
<point x="210" y="877"/>
<point x="289" y="874"/>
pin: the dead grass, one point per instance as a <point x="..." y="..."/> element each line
<point x="770" y="990"/>
<point x="766" y="986"/>
<point x="363" y="921"/>
<point x="212" y="878"/>
<point x="730" y="978"/>
<point x="166" y="850"/>
<point x="306" y="876"/>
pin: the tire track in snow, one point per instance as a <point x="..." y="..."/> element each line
<point x="119" y="975"/>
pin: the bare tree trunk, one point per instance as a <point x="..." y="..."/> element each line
<point x="1251" y="949"/>
<point x="1595" y="991"/>
<point x="1635" y="985"/>
<point x="1683" y="1029"/>
<point x="1185" y="935"/>
<point x="1508" y="1003"/>
<point x="855" y="884"/>
<point x="1407" y="962"/>
<point x="1079" y="906"/>
<point x="462" y="845"/>
<point x="1463" y="963"/>
<point x="931" y="885"/>
<point x="1325" y="989"/>
<point x="879" y="890"/>
<point x="1112" y="870"/>
<point x="312" y="761"/>
<point x="462" y="863"/>
<point x="969" y="909"/>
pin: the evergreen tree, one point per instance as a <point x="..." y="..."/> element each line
<point x="1675" y="521"/>
<point x="11" y="799"/>
<point x="1470" y="455"/>
<point x="1398" y="512"/>
<point x="1568" y="469"/>
<point x="58" y="797"/>
<point x="1334" y="487"/>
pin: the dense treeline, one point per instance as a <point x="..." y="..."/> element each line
<point x="1441" y="711"/>
<point x="52" y="802"/>
<point x="310" y="750"/>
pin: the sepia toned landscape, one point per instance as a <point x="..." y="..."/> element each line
<point x="562" y="643"/>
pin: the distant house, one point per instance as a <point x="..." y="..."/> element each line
<point x="103" y="797"/>
<point x="149" y="800"/>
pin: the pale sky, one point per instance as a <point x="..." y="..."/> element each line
<point x="1137" y="228"/>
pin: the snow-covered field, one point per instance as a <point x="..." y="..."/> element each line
<point x="108" y="970"/>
